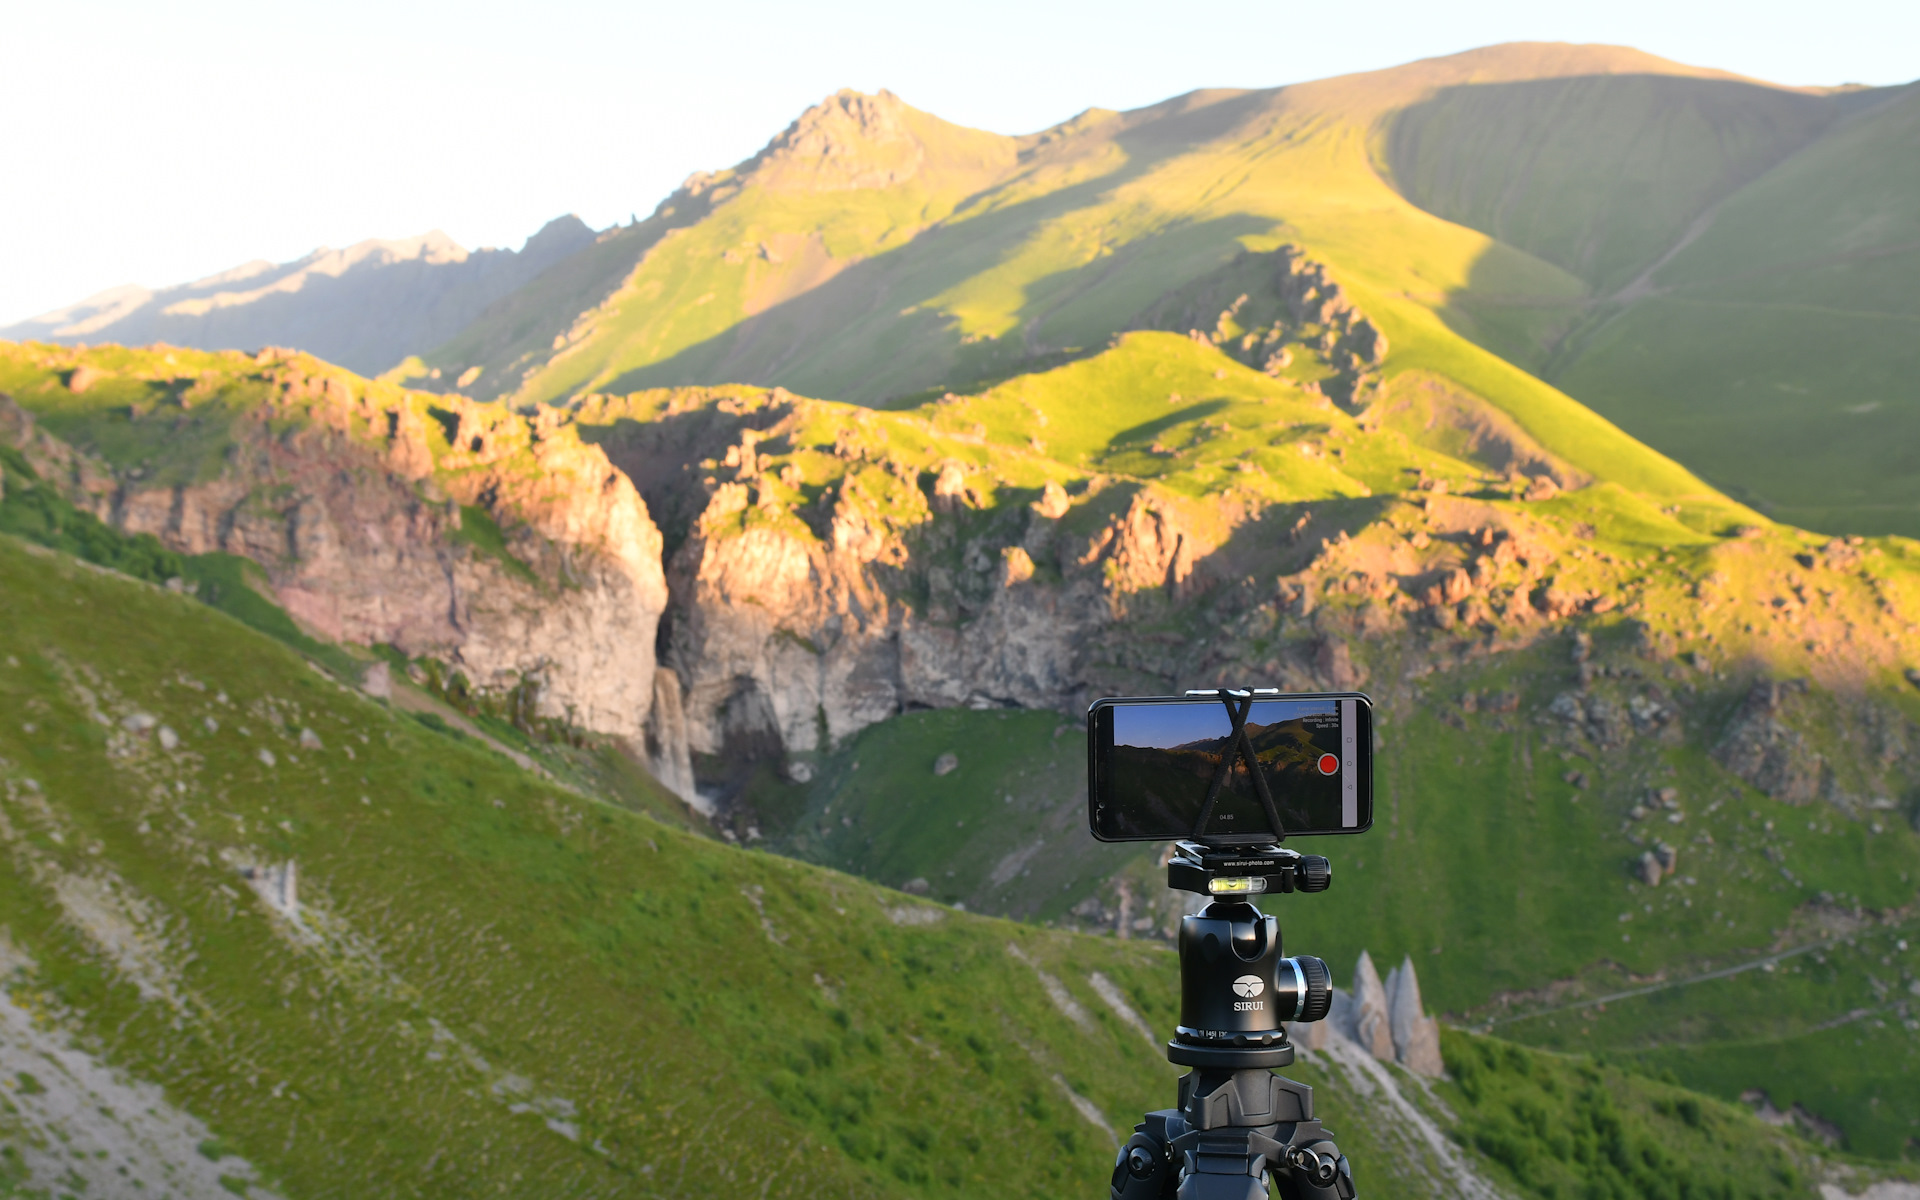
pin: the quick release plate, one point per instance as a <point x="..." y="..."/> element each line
<point x="1245" y="871"/>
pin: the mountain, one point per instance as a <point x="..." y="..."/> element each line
<point x="266" y="936"/>
<point x="1563" y="177"/>
<point x="366" y="307"/>
<point x="1746" y="256"/>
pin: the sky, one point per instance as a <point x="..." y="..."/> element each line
<point x="158" y="143"/>
<point x="1168" y="725"/>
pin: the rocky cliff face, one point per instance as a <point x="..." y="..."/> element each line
<point x="799" y="619"/>
<point x="498" y="542"/>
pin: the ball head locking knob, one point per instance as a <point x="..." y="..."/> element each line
<point x="1318" y="1000"/>
<point x="1313" y="874"/>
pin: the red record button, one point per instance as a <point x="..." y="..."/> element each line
<point x="1329" y="764"/>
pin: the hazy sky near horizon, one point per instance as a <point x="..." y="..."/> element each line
<point x="155" y="144"/>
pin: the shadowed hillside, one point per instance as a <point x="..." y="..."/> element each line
<point x="1775" y="351"/>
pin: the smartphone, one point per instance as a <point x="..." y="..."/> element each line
<point x="1229" y="768"/>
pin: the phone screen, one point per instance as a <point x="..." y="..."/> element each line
<point x="1152" y="763"/>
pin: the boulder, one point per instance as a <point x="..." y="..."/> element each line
<point x="1333" y="663"/>
<point x="1541" y="488"/>
<point x="377" y="681"/>
<point x="950" y="489"/>
<point x="1016" y="566"/>
<point x="1762" y="749"/>
<point x="1053" y="502"/>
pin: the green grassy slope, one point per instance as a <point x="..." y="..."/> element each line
<point x="483" y="984"/>
<point x="1205" y="433"/>
<point x="1775" y="350"/>
<point x="739" y="242"/>
<point x="1496" y="873"/>
<point x="418" y="1003"/>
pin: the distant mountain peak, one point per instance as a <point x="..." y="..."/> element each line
<point x="852" y="141"/>
<point x="568" y="232"/>
<point x="848" y="141"/>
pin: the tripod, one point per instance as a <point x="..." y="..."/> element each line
<point x="1238" y="1126"/>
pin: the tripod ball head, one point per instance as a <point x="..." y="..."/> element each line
<point x="1236" y="988"/>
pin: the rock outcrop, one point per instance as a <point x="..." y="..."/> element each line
<point x="795" y="623"/>
<point x="1261" y="307"/>
<point x="1762" y="749"/>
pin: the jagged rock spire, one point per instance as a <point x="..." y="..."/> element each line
<point x="1371" y="1027"/>
<point x="1416" y="1036"/>
<point x="1387" y="1020"/>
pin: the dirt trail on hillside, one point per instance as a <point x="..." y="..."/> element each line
<point x="73" y="1120"/>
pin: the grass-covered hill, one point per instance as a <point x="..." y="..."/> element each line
<point x="265" y="936"/>
<point x="1746" y="255"/>
<point x="1719" y="265"/>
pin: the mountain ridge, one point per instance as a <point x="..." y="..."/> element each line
<point x="366" y="306"/>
